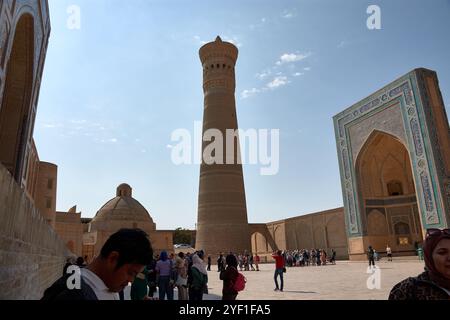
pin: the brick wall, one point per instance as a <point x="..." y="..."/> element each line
<point x="68" y="226"/>
<point x="31" y="254"/>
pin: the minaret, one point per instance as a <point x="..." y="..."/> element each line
<point x="222" y="211"/>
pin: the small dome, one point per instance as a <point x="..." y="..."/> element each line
<point x="218" y="49"/>
<point x="123" y="209"/>
<point x="124" y="190"/>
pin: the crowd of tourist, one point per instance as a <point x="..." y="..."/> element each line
<point x="311" y="257"/>
<point x="127" y="257"/>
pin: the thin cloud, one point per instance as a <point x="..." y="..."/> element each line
<point x="249" y="93"/>
<point x="259" y="24"/>
<point x="78" y="121"/>
<point x="342" y="44"/>
<point x="292" y="57"/>
<point x="106" y="141"/>
<point x="234" y="40"/>
<point x="263" y="75"/>
<point x="199" y="40"/>
<point x="278" y="82"/>
<point x="279" y="77"/>
<point x="52" y="125"/>
<point x="289" y="14"/>
<point x="98" y="132"/>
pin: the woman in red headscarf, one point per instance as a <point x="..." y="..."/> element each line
<point x="434" y="283"/>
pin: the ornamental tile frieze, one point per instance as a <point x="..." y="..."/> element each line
<point x="405" y="92"/>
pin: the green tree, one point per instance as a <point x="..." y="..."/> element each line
<point x="181" y="235"/>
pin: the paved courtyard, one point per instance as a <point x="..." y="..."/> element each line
<point x="344" y="281"/>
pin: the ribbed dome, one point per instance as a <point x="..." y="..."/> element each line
<point x="218" y="49"/>
<point x="121" y="209"/>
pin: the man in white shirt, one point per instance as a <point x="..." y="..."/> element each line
<point x="101" y="291"/>
<point x="123" y="256"/>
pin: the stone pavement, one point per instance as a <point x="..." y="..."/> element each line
<point x="344" y="281"/>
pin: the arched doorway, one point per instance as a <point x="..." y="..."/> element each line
<point x="15" y="110"/>
<point x="259" y="243"/>
<point x="389" y="211"/>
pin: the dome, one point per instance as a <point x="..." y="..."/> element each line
<point x="218" y="49"/>
<point x="122" y="211"/>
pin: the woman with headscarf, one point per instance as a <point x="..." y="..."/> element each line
<point x="163" y="269"/>
<point x="434" y="283"/>
<point x="139" y="287"/>
<point x="199" y="279"/>
<point x="229" y="276"/>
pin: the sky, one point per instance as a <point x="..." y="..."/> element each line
<point x="116" y="88"/>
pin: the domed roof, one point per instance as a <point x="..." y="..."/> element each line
<point x="122" y="208"/>
<point x="218" y="48"/>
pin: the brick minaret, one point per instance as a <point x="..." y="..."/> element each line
<point x="222" y="212"/>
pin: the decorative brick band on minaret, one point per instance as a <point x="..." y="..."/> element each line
<point x="222" y="211"/>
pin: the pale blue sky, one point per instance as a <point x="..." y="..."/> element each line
<point x="114" y="91"/>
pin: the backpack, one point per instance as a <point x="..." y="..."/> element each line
<point x="239" y="284"/>
<point x="60" y="292"/>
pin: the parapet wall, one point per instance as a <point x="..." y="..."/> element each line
<point x="32" y="255"/>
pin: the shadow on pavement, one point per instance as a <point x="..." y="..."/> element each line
<point x="290" y="291"/>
